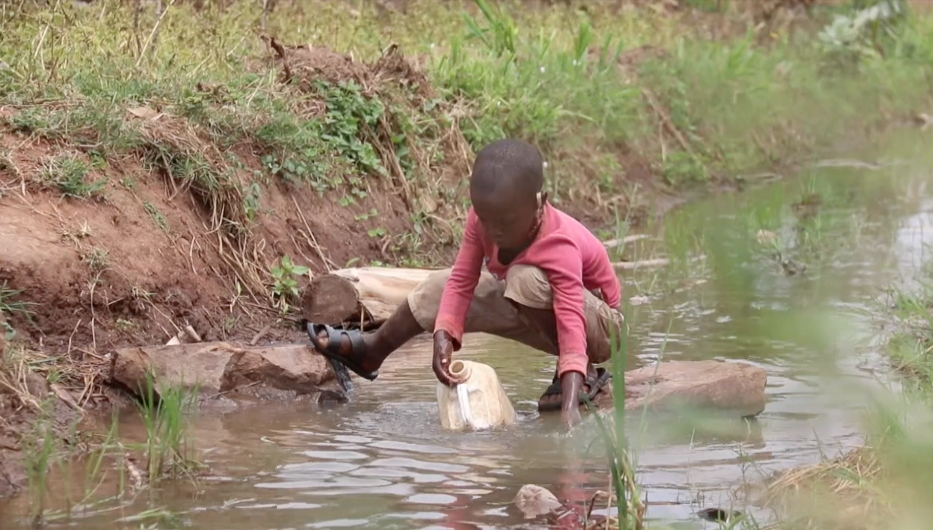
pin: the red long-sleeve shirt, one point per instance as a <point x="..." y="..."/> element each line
<point x="571" y="256"/>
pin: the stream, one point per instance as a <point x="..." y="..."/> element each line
<point x="382" y="461"/>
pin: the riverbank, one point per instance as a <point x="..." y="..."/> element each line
<point x="157" y="170"/>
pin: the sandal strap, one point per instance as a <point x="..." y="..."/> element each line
<point x="332" y="353"/>
<point x="595" y="384"/>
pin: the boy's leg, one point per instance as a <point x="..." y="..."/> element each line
<point x="489" y="312"/>
<point x="367" y="351"/>
<point x="528" y="289"/>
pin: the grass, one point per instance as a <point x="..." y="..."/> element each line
<point x="38" y="447"/>
<point x="820" y="220"/>
<point x="10" y="305"/>
<point x="630" y="506"/>
<point x="67" y="468"/>
<point x="69" y="175"/>
<point x="97" y="259"/>
<point x="884" y="483"/>
<point x="650" y="95"/>
<point x="166" y="416"/>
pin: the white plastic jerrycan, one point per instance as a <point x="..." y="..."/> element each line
<point x="478" y="403"/>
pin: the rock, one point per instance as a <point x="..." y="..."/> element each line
<point x="223" y="368"/>
<point x="716" y="385"/>
<point x="535" y="501"/>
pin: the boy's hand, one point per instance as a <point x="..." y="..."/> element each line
<point x="570" y="385"/>
<point x="443" y="349"/>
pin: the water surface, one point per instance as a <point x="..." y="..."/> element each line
<point x="382" y="461"/>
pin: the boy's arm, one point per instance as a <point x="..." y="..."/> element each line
<point x="563" y="264"/>
<point x="611" y="287"/>
<point x="458" y="291"/>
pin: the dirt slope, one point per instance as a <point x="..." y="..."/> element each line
<point x="150" y="254"/>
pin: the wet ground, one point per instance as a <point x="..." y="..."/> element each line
<point x="382" y="461"/>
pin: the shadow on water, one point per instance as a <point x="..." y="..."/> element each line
<point x="790" y="280"/>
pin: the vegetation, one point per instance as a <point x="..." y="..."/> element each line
<point x="166" y="416"/>
<point x="884" y="484"/>
<point x="71" y="466"/>
<point x="630" y="506"/>
<point x="601" y="103"/>
<point x="285" y="286"/>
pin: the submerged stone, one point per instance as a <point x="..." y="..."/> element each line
<point x="535" y="501"/>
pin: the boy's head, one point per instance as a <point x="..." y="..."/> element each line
<point x="505" y="189"/>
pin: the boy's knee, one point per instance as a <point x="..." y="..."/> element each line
<point x="528" y="285"/>
<point x="425" y="298"/>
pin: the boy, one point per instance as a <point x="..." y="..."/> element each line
<point x="550" y="285"/>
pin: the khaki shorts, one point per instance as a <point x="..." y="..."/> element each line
<point x="490" y="310"/>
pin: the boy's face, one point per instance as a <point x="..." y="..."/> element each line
<point x="509" y="220"/>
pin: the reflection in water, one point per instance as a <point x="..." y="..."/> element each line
<point x="383" y="461"/>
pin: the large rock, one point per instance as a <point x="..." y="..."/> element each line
<point x="709" y="385"/>
<point x="222" y="368"/>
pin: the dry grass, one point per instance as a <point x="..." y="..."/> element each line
<point x="32" y="376"/>
<point x="845" y="492"/>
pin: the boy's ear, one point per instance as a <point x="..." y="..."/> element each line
<point x="542" y="198"/>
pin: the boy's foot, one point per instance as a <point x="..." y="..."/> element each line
<point x="346" y="347"/>
<point x="552" y="399"/>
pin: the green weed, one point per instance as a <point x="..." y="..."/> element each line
<point x="349" y="116"/>
<point x="93" y="456"/>
<point x="165" y="417"/>
<point x="38" y="457"/>
<point x="631" y="507"/>
<point x="10" y="304"/>
<point x="157" y="218"/>
<point x="285" y="285"/>
<point x="97" y="259"/>
<point x="69" y="175"/>
<point x="592" y="89"/>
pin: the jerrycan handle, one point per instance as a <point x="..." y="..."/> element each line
<point x="461" y="371"/>
<point x="463" y="398"/>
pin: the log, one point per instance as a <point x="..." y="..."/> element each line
<point x="223" y="368"/>
<point x="363" y="297"/>
<point x="613" y="243"/>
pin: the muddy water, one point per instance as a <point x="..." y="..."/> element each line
<point x="382" y="461"/>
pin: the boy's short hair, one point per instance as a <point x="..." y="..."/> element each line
<point x="508" y="164"/>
